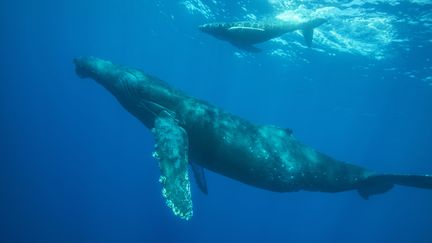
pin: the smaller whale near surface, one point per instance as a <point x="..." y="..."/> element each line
<point x="192" y="132"/>
<point x="246" y="34"/>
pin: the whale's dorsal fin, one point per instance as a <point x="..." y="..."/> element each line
<point x="171" y="150"/>
<point x="246" y="29"/>
<point x="200" y="179"/>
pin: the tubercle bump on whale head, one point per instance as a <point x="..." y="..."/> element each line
<point x="83" y="67"/>
<point x="92" y="67"/>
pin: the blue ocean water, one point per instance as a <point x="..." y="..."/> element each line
<point x="76" y="167"/>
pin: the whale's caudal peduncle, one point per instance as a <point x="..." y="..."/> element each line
<point x="187" y="129"/>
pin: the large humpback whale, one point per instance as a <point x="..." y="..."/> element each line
<point x="246" y="33"/>
<point x="189" y="131"/>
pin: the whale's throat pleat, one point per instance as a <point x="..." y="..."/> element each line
<point x="129" y="83"/>
<point x="171" y="150"/>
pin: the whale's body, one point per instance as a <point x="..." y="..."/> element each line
<point x="245" y="34"/>
<point x="189" y="131"/>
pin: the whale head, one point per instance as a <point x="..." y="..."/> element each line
<point x="105" y="73"/>
<point x="102" y="71"/>
<point x="91" y="67"/>
<point x="206" y="28"/>
<point x="217" y="30"/>
<point x="141" y="94"/>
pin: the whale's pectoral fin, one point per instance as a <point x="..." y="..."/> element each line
<point x="171" y="149"/>
<point x="200" y="179"/>
<point x="377" y="184"/>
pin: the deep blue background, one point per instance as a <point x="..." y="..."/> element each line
<point x="76" y="167"/>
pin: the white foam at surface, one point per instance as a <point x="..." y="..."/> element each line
<point x="349" y="30"/>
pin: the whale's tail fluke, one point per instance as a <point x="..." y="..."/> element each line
<point x="377" y="184"/>
<point x="308" y="29"/>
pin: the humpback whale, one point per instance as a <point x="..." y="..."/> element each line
<point x="245" y="34"/>
<point x="192" y="132"/>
